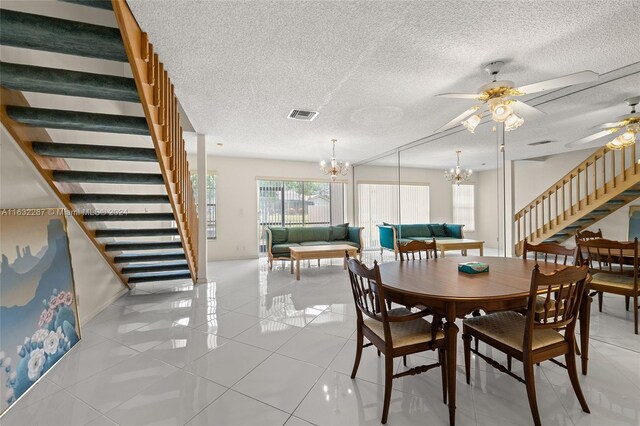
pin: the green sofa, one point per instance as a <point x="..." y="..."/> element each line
<point x="392" y="235"/>
<point x="279" y="238"/>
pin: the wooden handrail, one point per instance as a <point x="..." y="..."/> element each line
<point x="590" y="184"/>
<point x="160" y="105"/>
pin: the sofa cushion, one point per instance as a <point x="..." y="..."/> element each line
<point x="349" y="243"/>
<point x="426" y="239"/>
<point x="279" y="234"/>
<point x="283" y="248"/>
<point x="413" y="230"/>
<point x="339" y="232"/>
<point x="454" y="231"/>
<point x="438" y="230"/>
<point x="310" y="233"/>
<point x="314" y="243"/>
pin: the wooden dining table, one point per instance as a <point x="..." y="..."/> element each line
<point x="438" y="285"/>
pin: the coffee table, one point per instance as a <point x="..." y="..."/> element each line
<point x="463" y="245"/>
<point x="320" y="252"/>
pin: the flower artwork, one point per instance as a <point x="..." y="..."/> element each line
<point x="38" y="315"/>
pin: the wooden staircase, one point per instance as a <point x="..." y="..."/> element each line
<point x="156" y="239"/>
<point x="603" y="183"/>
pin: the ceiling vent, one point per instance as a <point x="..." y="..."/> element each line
<point x="300" y="114"/>
<point x="539" y="143"/>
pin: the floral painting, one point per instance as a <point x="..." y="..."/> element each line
<point x="38" y="315"/>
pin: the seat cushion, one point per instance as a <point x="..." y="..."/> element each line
<point x="602" y="279"/>
<point x="404" y="333"/>
<point x="315" y="243"/>
<point x="404" y="240"/>
<point x="508" y="329"/>
<point x="283" y="248"/>
<point x="349" y="243"/>
<point x="279" y="234"/>
<point x="425" y="239"/>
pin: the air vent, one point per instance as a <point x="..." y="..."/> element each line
<point x="539" y="143"/>
<point x="300" y="114"/>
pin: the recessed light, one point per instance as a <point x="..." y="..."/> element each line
<point x="220" y="144"/>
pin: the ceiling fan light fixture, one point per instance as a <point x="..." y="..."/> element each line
<point x="513" y="122"/>
<point x="500" y="109"/>
<point x="472" y="122"/>
<point x="626" y="139"/>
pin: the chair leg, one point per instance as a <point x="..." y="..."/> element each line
<point x="388" y="377"/>
<point x="443" y="367"/>
<point x="378" y="352"/>
<point x="475" y="344"/>
<point x="389" y="304"/>
<point x="531" y="390"/>
<point x="359" y="343"/>
<point x="635" y="314"/>
<point x="600" y="301"/>
<point x="570" y="360"/>
<point x="626" y="302"/>
<point x="404" y="360"/>
<point x="466" y="339"/>
<point x="509" y="362"/>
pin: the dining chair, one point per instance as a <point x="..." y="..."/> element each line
<point x="588" y="235"/>
<point x="397" y="332"/>
<point x="410" y="249"/>
<point x="530" y="341"/>
<point x="614" y="266"/>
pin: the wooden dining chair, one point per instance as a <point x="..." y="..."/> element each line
<point x="397" y="332"/>
<point x="408" y="251"/>
<point x="588" y="235"/>
<point x="614" y="266"/>
<point x="530" y="341"/>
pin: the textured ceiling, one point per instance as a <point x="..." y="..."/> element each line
<point x="372" y="69"/>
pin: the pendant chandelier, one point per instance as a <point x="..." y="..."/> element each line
<point x="457" y="175"/>
<point x="334" y="168"/>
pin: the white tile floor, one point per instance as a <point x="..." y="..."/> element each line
<point x="257" y="347"/>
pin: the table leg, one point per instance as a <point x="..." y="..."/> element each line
<point x="442" y="253"/>
<point x="481" y="250"/>
<point x="344" y="262"/>
<point x="291" y="263"/>
<point x="298" y="269"/>
<point x="451" y="339"/>
<point x="585" y="319"/>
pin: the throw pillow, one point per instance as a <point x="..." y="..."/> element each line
<point x="280" y="235"/>
<point x="340" y="232"/>
<point x="438" y="230"/>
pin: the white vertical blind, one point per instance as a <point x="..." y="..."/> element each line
<point x="464" y="206"/>
<point x="378" y="203"/>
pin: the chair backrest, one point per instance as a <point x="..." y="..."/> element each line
<point x="408" y="251"/>
<point x="368" y="294"/>
<point x="588" y="235"/>
<point x="562" y="291"/>
<point x="549" y="252"/>
<point x="611" y="257"/>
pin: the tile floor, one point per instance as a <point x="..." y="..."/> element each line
<point x="256" y="347"/>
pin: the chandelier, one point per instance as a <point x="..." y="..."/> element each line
<point x="457" y="175"/>
<point x="335" y="168"/>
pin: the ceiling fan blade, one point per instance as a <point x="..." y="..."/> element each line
<point x="609" y="125"/>
<point x="590" y="138"/>
<point x="524" y="110"/>
<point x="460" y="95"/>
<point x="555" y="83"/>
<point x="459" y="119"/>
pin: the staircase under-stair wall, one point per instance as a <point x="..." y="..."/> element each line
<point x="95" y="112"/>
<point x="601" y="184"/>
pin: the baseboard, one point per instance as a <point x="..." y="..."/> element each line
<point x="107" y="302"/>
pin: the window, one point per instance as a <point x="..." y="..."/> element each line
<point x="464" y="206"/>
<point x="378" y="202"/>
<point x="298" y="203"/>
<point x="211" y="201"/>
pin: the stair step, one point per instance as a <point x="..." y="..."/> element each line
<point x="128" y="217"/>
<point x="158" y="257"/>
<point x="100" y="4"/>
<point x="39" y="32"/>
<point x="585" y="219"/>
<point x="631" y="192"/>
<point x="29" y="78"/>
<point x="76" y="120"/>
<point x="573" y="227"/>
<point x="156" y="268"/>
<point x="143" y="246"/>
<point x="600" y="211"/>
<point x="94" y="152"/>
<point x="118" y="198"/>
<point x="616" y="202"/>
<point x="155" y="277"/>
<point x="149" y="232"/>
<point x="107" y="177"/>
<point x="561" y="234"/>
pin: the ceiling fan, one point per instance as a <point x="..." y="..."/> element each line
<point x="499" y="96"/>
<point x="628" y="124"/>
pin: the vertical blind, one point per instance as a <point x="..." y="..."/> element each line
<point x="298" y="203"/>
<point x="391" y="203"/>
<point x="211" y="201"/>
<point x="464" y="206"/>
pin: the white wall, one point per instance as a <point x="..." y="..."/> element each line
<point x="20" y="186"/>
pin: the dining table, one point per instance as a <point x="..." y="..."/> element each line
<point x="438" y="285"/>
